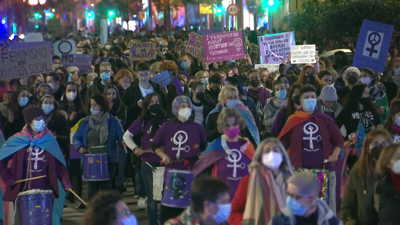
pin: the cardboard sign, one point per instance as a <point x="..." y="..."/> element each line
<point x="25" y="62"/>
<point x="162" y="79"/>
<point x="54" y="26"/>
<point x="373" y="45"/>
<point x="275" y="47"/>
<point x="143" y="51"/>
<point x="82" y="61"/>
<point x="270" y="67"/>
<point x="195" y="45"/>
<point x="210" y="31"/>
<point x="33" y="37"/>
<point x="64" y="47"/>
<point x="302" y="54"/>
<point x="224" y="46"/>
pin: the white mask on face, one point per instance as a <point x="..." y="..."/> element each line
<point x="71" y="96"/>
<point x="185" y="113"/>
<point x="272" y="160"/>
<point x="94" y="111"/>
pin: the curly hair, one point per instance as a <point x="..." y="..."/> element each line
<point x="171" y="66"/>
<point x="230" y="112"/>
<point x="102" y="209"/>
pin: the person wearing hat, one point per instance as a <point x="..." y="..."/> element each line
<point x="328" y="103"/>
<point x="175" y="134"/>
<point x="350" y="77"/>
<point x="34" y="141"/>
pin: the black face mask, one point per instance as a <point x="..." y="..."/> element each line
<point x="365" y="101"/>
<point x="200" y="95"/>
<point x="155" y="108"/>
<point x="296" y="100"/>
<point x="352" y="80"/>
<point x="310" y="78"/>
<point x="254" y="83"/>
<point x="215" y="91"/>
<point x="376" y="152"/>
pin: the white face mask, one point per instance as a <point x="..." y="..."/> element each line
<point x="272" y="160"/>
<point x="396" y="167"/>
<point x="94" y="111"/>
<point x="185" y="113"/>
<point x="366" y="80"/>
<point x="71" y="96"/>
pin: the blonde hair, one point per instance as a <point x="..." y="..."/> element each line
<point x="200" y="73"/>
<point x="382" y="166"/>
<point x="227" y="113"/>
<point x="226" y="90"/>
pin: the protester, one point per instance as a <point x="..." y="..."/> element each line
<point x="257" y="92"/>
<point x="393" y="122"/>
<point x="124" y="78"/>
<point x="117" y="108"/>
<point x="101" y="82"/>
<point x="202" y="103"/>
<point x="262" y="194"/>
<point x="274" y="105"/>
<point x="308" y="75"/>
<point x="326" y="77"/>
<point x="19" y="100"/>
<point x="214" y="87"/>
<point x="350" y="77"/>
<point x="55" y="83"/>
<point x="328" y="103"/>
<point x="392" y="83"/>
<point x="42" y="89"/>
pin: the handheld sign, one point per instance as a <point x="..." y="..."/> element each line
<point x="82" y="61"/>
<point x="224" y="46"/>
<point x="195" y="45"/>
<point x="270" y="67"/>
<point x="25" y="62"/>
<point x="301" y="54"/>
<point x="33" y="37"/>
<point x="373" y="45"/>
<point x="143" y="51"/>
<point x="275" y="47"/>
<point x="21" y="45"/>
<point x="64" y="47"/>
<point x="162" y="79"/>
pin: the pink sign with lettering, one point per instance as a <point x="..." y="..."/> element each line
<point x="224" y="46"/>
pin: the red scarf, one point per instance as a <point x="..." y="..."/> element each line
<point x="395" y="129"/>
<point x="395" y="180"/>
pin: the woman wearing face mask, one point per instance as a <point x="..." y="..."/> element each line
<point x="19" y="99"/>
<point x="351" y="77"/>
<point x="34" y="140"/>
<point x="229" y="97"/>
<point x="328" y="103"/>
<point x="108" y="208"/>
<point x="117" y="108"/>
<point x="144" y="129"/>
<point x="313" y="139"/>
<point x="393" y="122"/>
<point x="274" y="105"/>
<point x="326" y="77"/>
<point x="202" y="103"/>
<point x="362" y="177"/>
<point x="308" y="75"/>
<point x="226" y="149"/>
<point x="100" y="133"/>
<point x="293" y="104"/>
<point x="382" y="204"/>
<point x="256" y="91"/>
<point x="194" y="140"/>
<point x="42" y="89"/>
<point x="269" y="170"/>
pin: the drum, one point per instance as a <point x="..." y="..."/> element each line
<point x="95" y="167"/>
<point x="323" y="179"/>
<point x="177" y="188"/>
<point x="35" y="207"/>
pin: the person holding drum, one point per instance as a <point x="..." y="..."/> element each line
<point x="96" y="139"/>
<point x="37" y="165"/>
<point x="145" y="128"/>
<point x="178" y="143"/>
<point x="312" y="138"/>
<point x="229" y="155"/>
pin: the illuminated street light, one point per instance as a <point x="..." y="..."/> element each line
<point x="271" y="2"/>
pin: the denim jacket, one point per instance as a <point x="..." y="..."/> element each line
<point x="114" y="142"/>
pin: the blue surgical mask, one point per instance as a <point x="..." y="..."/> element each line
<point x="184" y="65"/>
<point x="161" y="43"/>
<point x="47" y="108"/>
<point x="281" y="94"/>
<point x="105" y="77"/>
<point x="23" y="101"/>
<point x="397" y="72"/>
<point x="94" y="111"/>
<point x="309" y="104"/>
<point x="204" y="81"/>
<point x="38" y="126"/>
<point x="295" y="207"/>
<point x="131" y="220"/>
<point x="223" y="213"/>
<point x="91" y="83"/>
<point x="231" y="103"/>
<point x="245" y="89"/>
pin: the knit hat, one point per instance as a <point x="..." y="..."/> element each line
<point x="328" y="93"/>
<point x="72" y="69"/>
<point x="178" y="101"/>
<point x="31" y="112"/>
<point x="350" y="70"/>
<point x="49" y="96"/>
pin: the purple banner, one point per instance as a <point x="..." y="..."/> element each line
<point x="224" y="46"/>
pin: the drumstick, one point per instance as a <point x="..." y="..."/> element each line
<point x="28" y="179"/>
<point x="77" y="196"/>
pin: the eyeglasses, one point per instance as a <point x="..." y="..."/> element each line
<point x="382" y="144"/>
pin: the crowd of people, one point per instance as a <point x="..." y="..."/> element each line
<point x="222" y="143"/>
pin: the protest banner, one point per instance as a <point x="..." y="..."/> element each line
<point x="33" y="37"/>
<point x="143" y="51"/>
<point x="25" y="62"/>
<point x="82" y="61"/>
<point x="270" y="67"/>
<point x="373" y="45"/>
<point x="224" y="46"/>
<point x="195" y="45"/>
<point x="64" y="47"/>
<point x="302" y="54"/>
<point x="54" y="26"/>
<point x="210" y="31"/>
<point x="275" y="47"/>
<point x="162" y="79"/>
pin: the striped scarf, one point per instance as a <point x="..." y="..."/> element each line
<point x="266" y="196"/>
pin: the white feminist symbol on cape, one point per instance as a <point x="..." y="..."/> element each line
<point x="310" y="129"/>
<point x="35" y="153"/>
<point x="396" y="139"/>
<point x="234" y="156"/>
<point x="179" y="139"/>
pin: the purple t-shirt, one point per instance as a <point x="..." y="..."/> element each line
<point x="38" y="167"/>
<point x="312" y="154"/>
<point x="181" y="141"/>
<point x="233" y="167"/>
<point x="147" y="139"/>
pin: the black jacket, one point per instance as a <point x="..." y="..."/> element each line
<point x="208" y="105"/>
<point x="59" y="127"/>
<point x="391" y="89"/>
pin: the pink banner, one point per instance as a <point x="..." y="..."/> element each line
<point x="224" y="46"/>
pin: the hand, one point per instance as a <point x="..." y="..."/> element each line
<point x="165" y="160"/>
<point x="92" y="68"/>
<point x="72" y="116"/>
<point x="82" y="150"/>
<point x="333" y="158"/>
<point x="382" y="109"/>
<point x="10" y="116"/>
<point x="347" y="144"/>
<point x="140" y="103"/>
<point x="68" y="189"/>
<point x="138" y="151"/>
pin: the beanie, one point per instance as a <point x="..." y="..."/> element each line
<point x="31" y="112"/>
<point x="328" y="93"/>
<point x="350" y="70"/>
<point x="178" y="101"/>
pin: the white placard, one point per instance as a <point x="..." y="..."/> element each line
<point x="64" y="47"/>
<point x="301" y="54"/>
<point x="270" y="67"/>
<point x="33" y="37"/>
